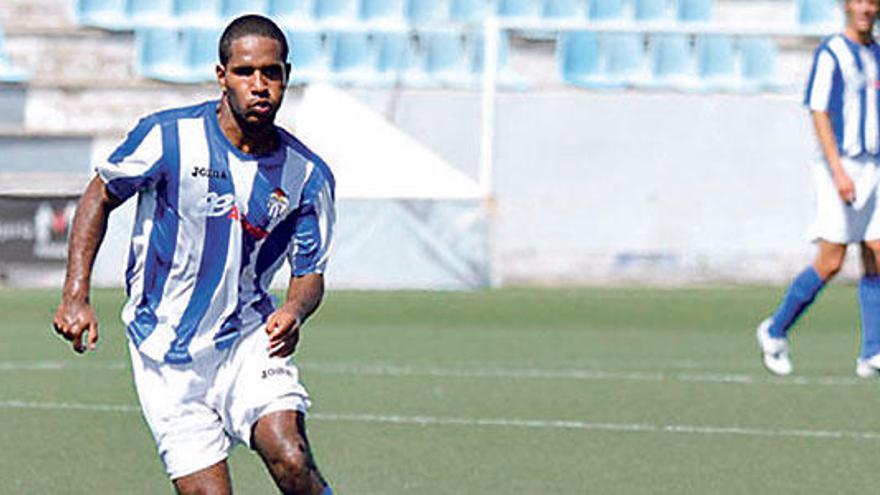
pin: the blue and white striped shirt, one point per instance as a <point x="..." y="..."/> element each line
<point x="213" y="226"/>
<point x="843" y="82"/>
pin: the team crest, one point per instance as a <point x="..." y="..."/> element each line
<point x="278" y="204"/>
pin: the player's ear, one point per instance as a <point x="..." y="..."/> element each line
<point x="220" y="70"/>
<point x="287" y="69"/>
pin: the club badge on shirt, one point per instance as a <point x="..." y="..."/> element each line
<point x="278" y="204"/>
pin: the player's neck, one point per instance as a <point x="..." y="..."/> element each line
<point x="865" y="38"/>
<point x="253" y="141"/>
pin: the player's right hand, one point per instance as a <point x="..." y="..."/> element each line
<point x="76" y="321"/>
<point x="845" y="188"/>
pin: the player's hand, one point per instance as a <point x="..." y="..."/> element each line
<point x="283" y="329"/>
<point x="76" y="321"/>
<point x="845" y="187"/>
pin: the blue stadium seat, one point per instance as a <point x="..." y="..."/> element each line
<point x="160" y="54"/>
<point x="467" y="10"/>
<point x="352" y="58"/>
<point x="716" y="61"/>
<point x="291" y="13"/>
<point x="605" y="10"/>
<point x="233" y="8"/>
<point x="506" y="77"/>
<point x="307" y="56"/>
<point x="445" y="58"/>
<point x="196" y="12"/>
<point x="518" y="8"/>
<point x="336" y="11"/>
<point x="758" y="64"/>
<point x="427" y="11"/>
<point x="651" y="10"/>
<point x="694" y="10"/>
<point x="382" y="12"/>
<point x="108" y="14"/>
<point x="9" y="73"/>
<point x="395" y="56"/>
<point x="817" y="12"/>
<point x="625" y="58"/>
<point x="671" y="62"/>
<point x="145" y="13"/>
<point x="562" y="9"/>
<point x="200" y="49"/>
<point x="579" y="59"/>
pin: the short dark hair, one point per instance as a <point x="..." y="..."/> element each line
<point x="250" y="25"/>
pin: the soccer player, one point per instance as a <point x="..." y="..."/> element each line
<point x="223" y="198"/>
<point x="842" y="96"/>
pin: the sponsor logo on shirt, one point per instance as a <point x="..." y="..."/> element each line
<point x="207" y="172"/>
<point x="269" y="373"/>
<point x="218" y="205"/>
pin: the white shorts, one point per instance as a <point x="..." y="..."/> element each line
<point x="843" y="223"/>
<point x="197" y="412"/>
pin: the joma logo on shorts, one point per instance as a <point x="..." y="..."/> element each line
<point x="207" y="172"/>
<point x="276" y="372"/>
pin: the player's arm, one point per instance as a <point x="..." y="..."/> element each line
<point x="828" y="144"/>
<point x="304" y="295"/>
<point x="75" y="315"/>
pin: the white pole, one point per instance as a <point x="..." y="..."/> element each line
<point x="487" y="138"/>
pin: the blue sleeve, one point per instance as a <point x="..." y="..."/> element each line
<point x="313" y="231"/>
<point x="137" y="163"/>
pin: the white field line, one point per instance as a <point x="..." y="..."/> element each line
<point x="393" y="370"/>
<point x="497" y="422"/>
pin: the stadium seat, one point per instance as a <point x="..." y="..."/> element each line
<point x="694" y="10"/>
<point x="562" y="9"/>
<point x="291" y="13"/>
<point x="605" y="10"/>
<point x="307" y="56"/>
<point x="671" y="62"/>
<point x="445" y="57"/>
<point x="107" y="14"/>
<point x="427" y="11"/>
<point x="716" y="61"/>
<point x="651" y="10"/>
<point x="579" y="59"/>
<point x="196" y="12"/>
<point x="506" y="77"/>
<point x="467" y="10"/>
<point x="625" y="58"/>
<point x="386" y="13"/>
<point x="160" y="54"/>
<point x="758" y="64"/>
<point x="352" y="58"/>
<point x="234" y="8"/>
<point x="818" y="13"/>
<point x="145" y="13"/>
<point x="395" y="57"/>
<point x="518" y="8"/>
<point x="336" y="11"/>
<point x="200" y="52"/>
<point x="9" y="73"/>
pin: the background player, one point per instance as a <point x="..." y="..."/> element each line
<point x="842" y="95"/>
<point x="224" y="196"/>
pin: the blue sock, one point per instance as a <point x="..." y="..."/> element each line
<point x="327" y="490"/>
<point x="869" y="304"/>
<point x="800" y="295"/>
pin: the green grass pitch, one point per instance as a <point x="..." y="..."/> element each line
<point x="515" y="391"/>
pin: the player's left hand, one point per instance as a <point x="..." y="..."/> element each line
<point x="283" y="329"/>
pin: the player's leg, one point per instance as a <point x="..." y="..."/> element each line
<point x="280" y="439"/>
<point x="806" y="286"/>
<point x="868" y="363"/>
<point x="213" y="480"/>
<point x="772" y="333"/>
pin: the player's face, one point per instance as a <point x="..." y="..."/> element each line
<point x="254" y="80"/>
<point x="861" y="14"/>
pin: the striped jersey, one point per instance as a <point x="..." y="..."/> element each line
<point x="212" y="227"/>
<point x="843" y="82"/>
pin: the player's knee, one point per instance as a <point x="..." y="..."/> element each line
<point x="829" y="265"/>
<point x="293" y="471"/>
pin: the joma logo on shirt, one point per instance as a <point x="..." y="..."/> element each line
<point x="207" y="172"/>
<point x="276" y="372"/>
